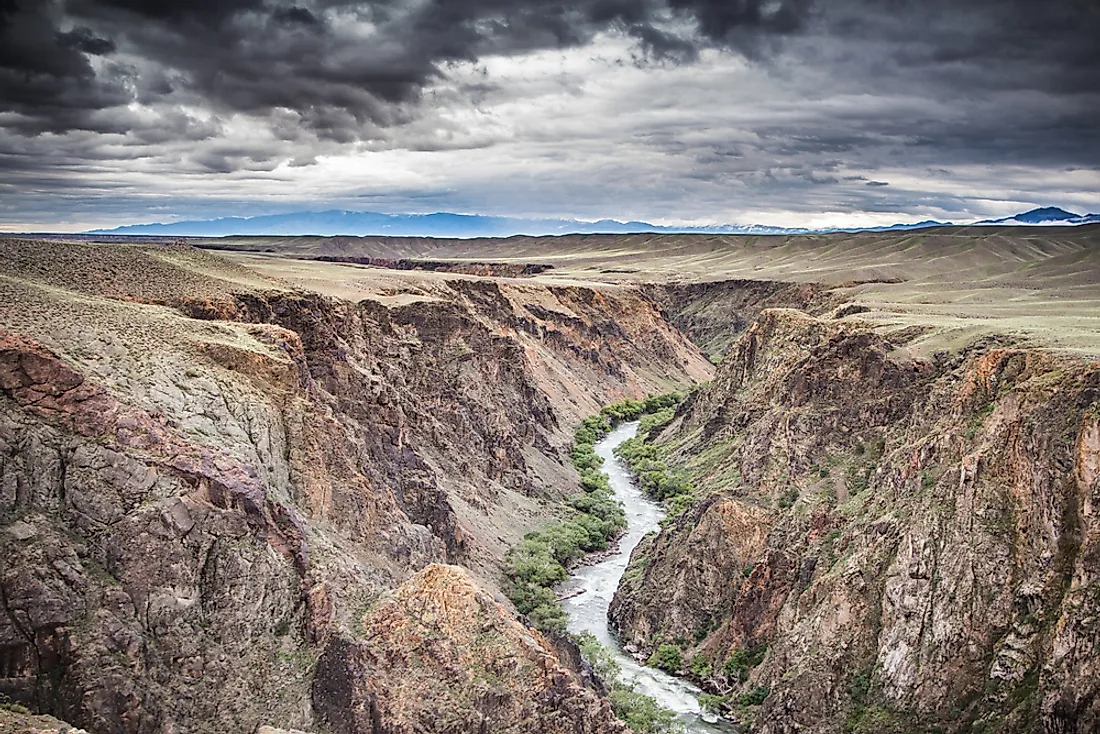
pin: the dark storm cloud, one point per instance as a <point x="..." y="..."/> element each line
<point x="348" y="66"/>
<point x="162" y="85"/>
<point x="322" y="59"/>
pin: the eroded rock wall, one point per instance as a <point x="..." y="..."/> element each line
<point x="914" y="540"/>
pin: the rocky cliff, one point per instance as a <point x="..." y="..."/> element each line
<point x="441" y="655"/>
<point x="713" y="313"/>
<point x="208" y="477"/>
<point x="883" y="541"/>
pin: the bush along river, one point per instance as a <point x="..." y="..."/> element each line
<point x="587" y="595"/>
<point x="611" y="507"/>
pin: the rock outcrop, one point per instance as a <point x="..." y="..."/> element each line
<point x="914" y="540"/>
<point x="713" y="313"/>
<point x="441" y="655"/>
<point x="17" y="720"/>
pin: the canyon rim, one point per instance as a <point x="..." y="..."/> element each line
<point x="273" y="484"/>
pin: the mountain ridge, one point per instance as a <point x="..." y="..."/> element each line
<point x="338" y="222"/>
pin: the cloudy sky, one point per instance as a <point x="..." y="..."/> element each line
<point x="786" y="112"/>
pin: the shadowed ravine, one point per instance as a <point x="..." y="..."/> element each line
<point x="588" y="611"/>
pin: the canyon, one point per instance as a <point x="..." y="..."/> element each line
<point x="270" y="483"/>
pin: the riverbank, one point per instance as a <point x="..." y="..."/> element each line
<point x="587" y="594"/>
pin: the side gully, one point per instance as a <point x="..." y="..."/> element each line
<point x="589" y="590"/>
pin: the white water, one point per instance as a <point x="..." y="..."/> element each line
<point x="588" y="611"/>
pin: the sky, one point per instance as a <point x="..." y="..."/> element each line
<point x="799" y="113"/>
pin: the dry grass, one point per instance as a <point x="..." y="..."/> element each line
<point x="1038" y="285"/>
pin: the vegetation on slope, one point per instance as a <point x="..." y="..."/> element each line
<point x="640" y="712"/>
<point x="543" y="558"/>
<point x="659" y="481"/>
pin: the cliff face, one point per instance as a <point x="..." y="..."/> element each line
<point x="439" y="628"/>
<point x="206" y="478"/>
<point x="713" y="313"/>
<point x="915" y="540"/>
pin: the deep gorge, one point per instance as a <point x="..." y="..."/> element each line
<point x="231" y="504"/>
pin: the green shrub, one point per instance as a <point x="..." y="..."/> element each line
<point x="788" y="498"/>
<point x="700" y="667"/>
<point x="858" y="479"/>
<point x="712" y="702"/>
<point x="603" y="506"/>
<point x="742" y="660"/>
<point x="532" y="563"/>
<point x="667" y="658"/>
<point x="599" y="657"/>
<point x="528" y="596"/>
<point x="755" y="697"/>
<point x="860" y="685"/>
<point x="626" y="410"/>
<point x="584" y="458"/>
<point x="657" y="403"/>
<point x="878" y="448"/>
<point x="640" y="712"/>
<point x="635" y="450"/>
<point x="870" y="720"/>
<point x="655" y="421"/>
<point x="594" y="479"/>
<point x="678" y="505"/>
<point x="654" y="476"/>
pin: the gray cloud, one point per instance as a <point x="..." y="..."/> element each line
<point x="819" y="104"/>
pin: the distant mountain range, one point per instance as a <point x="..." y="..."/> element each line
<point x="441" y="224"/>
<point x="336" y="222"/>
<point x="1046" y="215"/>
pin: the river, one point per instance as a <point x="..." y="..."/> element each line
<point x="588" y="610"/>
